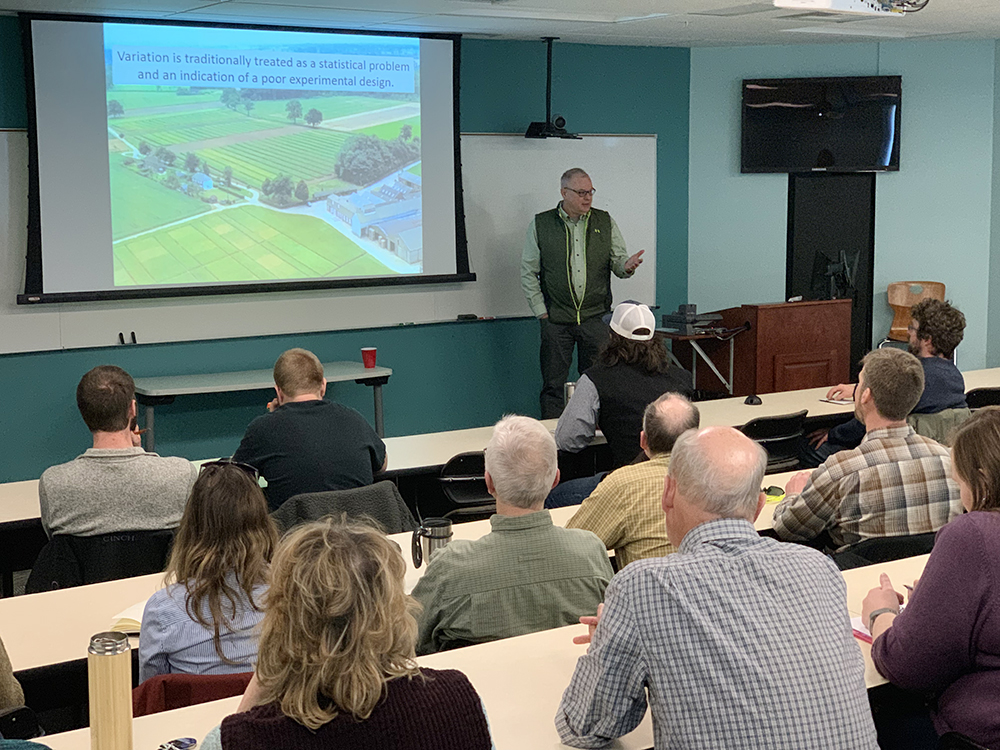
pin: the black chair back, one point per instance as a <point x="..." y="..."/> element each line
<point x="958" y="741"/>
<point x="463" y="483"/>
<point x="977" y="398"/>
<point x="380" y="503"/>
<point x="68" y="561"/>
<point x="884" y="549"/>
<point x="779" y="436"/>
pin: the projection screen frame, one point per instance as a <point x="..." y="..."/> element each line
<point x="34" y="279"/>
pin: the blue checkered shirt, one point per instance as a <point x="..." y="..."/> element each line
<point x="736" y="642"/>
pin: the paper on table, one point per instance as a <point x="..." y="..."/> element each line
<point x="861" y="630"/>
<point x="838" y="401"/>
<point x="128" y="620"/>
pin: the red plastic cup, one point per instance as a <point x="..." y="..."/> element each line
<point x="368" y="356"/>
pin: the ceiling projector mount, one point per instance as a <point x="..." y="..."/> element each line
<point x="553" y="127"/>
<point x="882" y="8"/>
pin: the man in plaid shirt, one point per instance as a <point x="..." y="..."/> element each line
<point x="896" y="483"/>
<point x="735" y="641"/>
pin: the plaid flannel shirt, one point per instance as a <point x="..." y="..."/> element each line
<point x="736" y="641"/>
<point x="896" y="483"/>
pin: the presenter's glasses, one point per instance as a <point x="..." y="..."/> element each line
<point x="582" y="193"/>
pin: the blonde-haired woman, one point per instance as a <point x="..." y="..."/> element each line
<point x="947" y="640"/>
<point x="336" y="664"/>
<point x="206" y="620"/>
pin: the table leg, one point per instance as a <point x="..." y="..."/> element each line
<point x="732" y="347"/>
<point x="698" y="350"/>
<point x="694" y="365"/>
<point x="379" y="418"/>
<point x="150" y="435"/>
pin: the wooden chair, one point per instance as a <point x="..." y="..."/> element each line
<point x="903" y="295"/>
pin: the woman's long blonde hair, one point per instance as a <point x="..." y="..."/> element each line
<point x="226" y="536"/>
<point x="337" y="622"/>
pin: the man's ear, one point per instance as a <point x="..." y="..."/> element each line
<point x="490" y="487"/>
<point x="280" y="396"/>
<point x="133" y="411"/>
<point x="322" y="390"/>
<point x="554" y="481"/>
<point x="760" y="505"/>
<point x="669" y="493"/>
<point x="642" y="441"/>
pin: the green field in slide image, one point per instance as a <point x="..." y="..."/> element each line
<point x="249" y="243"/>
<point x="139" y="203"/>
<point x="390" y="130"/>
<point x="305" y="155"/>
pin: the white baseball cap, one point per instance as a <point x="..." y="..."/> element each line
<point x="633" y="321"/>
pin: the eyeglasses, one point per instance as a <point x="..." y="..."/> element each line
<point x="582" y="193"/>
<point x="247" y="469"/>
<point x="913" y="328"/>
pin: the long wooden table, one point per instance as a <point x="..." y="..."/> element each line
<point x="521" y="681"/>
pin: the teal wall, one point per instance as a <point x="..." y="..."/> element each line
<point x="447" y="376"/>
<point x="993" y="314"/>
<point x="933" y="217"/>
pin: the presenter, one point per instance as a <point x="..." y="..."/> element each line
<point x="569" y="254"/>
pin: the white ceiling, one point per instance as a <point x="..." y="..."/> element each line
<point x="673" y="23"/>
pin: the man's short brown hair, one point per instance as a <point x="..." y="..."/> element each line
<point x="896" y="380"/>
<point x="298" y="371"/>
<point x="104" y="397"/>
<point x="941" y="323"/>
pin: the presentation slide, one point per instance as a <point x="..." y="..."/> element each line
<point x="241" y="156"/>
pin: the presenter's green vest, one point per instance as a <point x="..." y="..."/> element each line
<point x="555" y="276"/>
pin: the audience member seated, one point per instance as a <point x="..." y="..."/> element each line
<point x="935" y="330"/>
<point x="526" y="574"/>
<point x="205" y="621"/>
<point x="11" y="694"/>
<point x="336" y="665"/>
<point x="947" y="640"/>
<point x="115" y="485"/>
<point x="306" y="443"/>
<point x="896" y="483"/>
<point x="741" y="641"/>
<point x="625" y="510"/>
<point x="633" y="369"/>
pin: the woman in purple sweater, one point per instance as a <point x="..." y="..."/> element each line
<point x="947" y="640"/>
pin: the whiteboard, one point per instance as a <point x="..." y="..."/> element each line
<point x="507" y="179"/>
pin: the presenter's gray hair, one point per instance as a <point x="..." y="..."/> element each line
<point x="521" y="460"/>
<point x="725" y="484"/>
<point x="569" y="174"/>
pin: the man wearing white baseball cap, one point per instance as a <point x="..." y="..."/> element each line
<point x="632" y="371"/>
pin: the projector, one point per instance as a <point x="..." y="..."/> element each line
<point x="861" y="7"/>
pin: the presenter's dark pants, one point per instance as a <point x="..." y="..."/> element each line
<point x="558" y="341"/>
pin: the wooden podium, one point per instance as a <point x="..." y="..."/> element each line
<point x="790" y="345"/>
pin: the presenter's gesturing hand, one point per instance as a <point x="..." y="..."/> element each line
<point x="634" y="262"/>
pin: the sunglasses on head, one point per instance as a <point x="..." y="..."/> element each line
<point x="247" y="469"/>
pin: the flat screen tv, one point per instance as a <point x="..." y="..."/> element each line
<point x="848" y="124"/>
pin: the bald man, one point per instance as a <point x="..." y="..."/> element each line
<point x="741" y="641"/>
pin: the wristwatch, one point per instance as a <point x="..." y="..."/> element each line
<point x="876" y="613"/>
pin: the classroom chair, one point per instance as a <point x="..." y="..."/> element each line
<point x="884" y="549"/>
<point x="902" y="296"/>
<point x="463" y="482"/>
<point x="779" y="436"/>
<point x="958" y="741"/>
<point x="379" y="502"/>
<point x="165" y="692"/>
<point x="67" y="561"/>
<point x="977" y="398"/>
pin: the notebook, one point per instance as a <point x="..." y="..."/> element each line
<point x="128" y="620"/>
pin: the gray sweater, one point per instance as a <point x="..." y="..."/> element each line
<point x="115" y="489"/>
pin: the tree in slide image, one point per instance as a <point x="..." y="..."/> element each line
<point x="205" y="169"/>
<point x="230" y="99"/>
<point x="294" y="109"/>
<point x="166" y="156"/>
<point x="248" y="105"/>
<point x="406" y="132"/>
<point x="191" y="162"/>
<point x="302" y="191"/>
<point x="144" y="148"/>
<point x="314" y="117"/>
<point x="227" y="176"/>
<point x="115" y="108"/>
